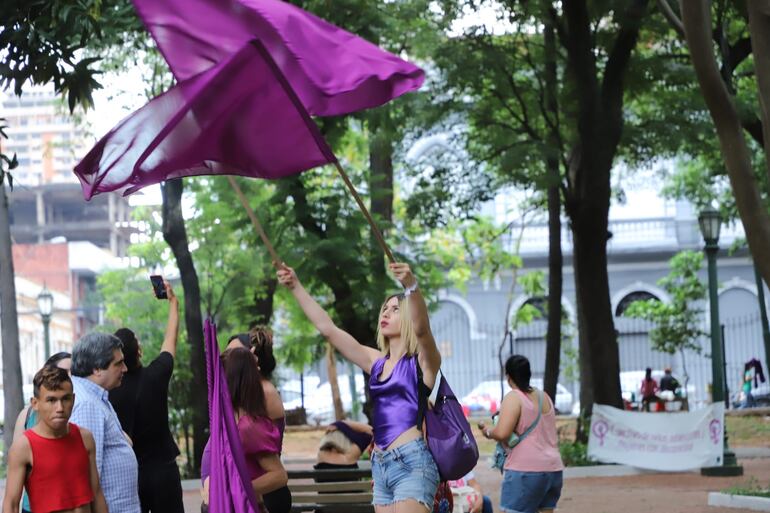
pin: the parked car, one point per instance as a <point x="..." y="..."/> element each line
<point x="484" y="399"/>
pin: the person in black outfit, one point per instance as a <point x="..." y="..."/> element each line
<point x="141" y="404"/>
<point x="668" y="382"/>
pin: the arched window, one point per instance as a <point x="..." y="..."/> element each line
<point x="639" y="295"/>
<point x="540" y="303"/>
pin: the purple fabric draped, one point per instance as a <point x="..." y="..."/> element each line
<point x="239" y="117"/>
<point x="333" y="71"/>
<point x="230" y="488"/>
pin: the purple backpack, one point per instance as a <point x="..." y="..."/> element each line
<point x="447" y="432"/>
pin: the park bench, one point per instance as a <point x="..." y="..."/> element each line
<point x="331" y="491"/>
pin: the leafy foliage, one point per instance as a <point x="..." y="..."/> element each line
<point x="575" y="454"/>
<point x="7" y="164"/>
<point x="42" y="42"/>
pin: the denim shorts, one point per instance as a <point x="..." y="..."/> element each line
<point x="528" y="492"/>
<point x="406" y="472"/>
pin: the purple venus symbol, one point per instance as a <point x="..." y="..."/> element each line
<point x="715" y="429"/>
<point x="600" y="429"/>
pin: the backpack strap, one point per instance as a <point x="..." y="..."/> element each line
<point x="423" y="393"/>
<point x="27" y="417"/>
<point x="537" y="419"/>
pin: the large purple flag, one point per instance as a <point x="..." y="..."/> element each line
<point x="333" y="71"/>
<point x="239" y="117"/>
<point x="230" y="489"/>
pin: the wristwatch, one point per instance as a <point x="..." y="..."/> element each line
<point x="408" y="290"/>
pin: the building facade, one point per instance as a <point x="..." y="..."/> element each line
<point x="469" y="325"/>
<point x="32" y="330"/>
<point x="70" y="269"/>
<point x="48" y="201"/>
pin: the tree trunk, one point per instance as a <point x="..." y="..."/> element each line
<point x="598" y="127"/>
<point x="598" y="338"/>
<point x="586" y="379"/>
<point x="759" y="27"/>
<point x="331" y="370"/>
<point x="263" y="302"/>
<point x="555" y="259"/>
<point x="175" y="235"/>
<point x="9" y="327"/>
<point x="735" y="153"/>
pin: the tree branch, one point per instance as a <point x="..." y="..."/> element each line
<point x="671" y="17"/>
<point x="617" y="63"/>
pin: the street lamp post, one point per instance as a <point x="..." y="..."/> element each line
<point x="45" y="307"/>
<point x="710" y="223"/>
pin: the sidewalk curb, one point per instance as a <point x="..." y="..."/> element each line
<point x="613" y="471"/>
<point x="725" y="500"/>
<point x="751" y="452"/>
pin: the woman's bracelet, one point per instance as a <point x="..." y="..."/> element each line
<point x="408" y="290"/>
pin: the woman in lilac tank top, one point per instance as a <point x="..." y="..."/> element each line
<point x="404" y="473"/>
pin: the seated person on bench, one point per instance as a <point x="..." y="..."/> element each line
<point x="343" y="444"/>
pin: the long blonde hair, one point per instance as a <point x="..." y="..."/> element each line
<point x="407" y="330"/>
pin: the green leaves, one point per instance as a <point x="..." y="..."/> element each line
<point x="45" y="41"/>
<point x="677" y="323"/>
<point x="6" y="163"/>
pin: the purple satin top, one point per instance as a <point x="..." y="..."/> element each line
<point x="394" y="400"/>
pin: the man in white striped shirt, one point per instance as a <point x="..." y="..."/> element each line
<point x="97" y="368"/>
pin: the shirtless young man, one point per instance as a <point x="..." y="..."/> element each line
<point x="55" y="460"/>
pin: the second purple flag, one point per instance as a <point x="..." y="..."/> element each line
<point x="332" y="71"/>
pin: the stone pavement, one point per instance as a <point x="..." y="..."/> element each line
<point x="626" y="490"/>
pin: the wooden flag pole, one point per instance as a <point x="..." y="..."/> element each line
<point x="255" y="221"/>
<point x="362" y="206"/>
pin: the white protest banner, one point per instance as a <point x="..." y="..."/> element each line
<point x="658" y="441"/>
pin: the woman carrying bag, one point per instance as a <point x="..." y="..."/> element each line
<point x="532" y="478"/>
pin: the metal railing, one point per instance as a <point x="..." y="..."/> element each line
<point x="628" y="234"/>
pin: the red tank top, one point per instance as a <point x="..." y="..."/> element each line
<point x="60" y="477"/>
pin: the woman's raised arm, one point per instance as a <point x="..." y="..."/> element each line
<point x="350" y="348"/>
<point x="429" y="356"/>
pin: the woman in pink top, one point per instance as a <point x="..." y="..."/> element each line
<point x="533" y="468"/>
<point x="260" y="437"/>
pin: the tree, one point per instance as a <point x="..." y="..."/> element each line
<point x="696" y="21"/>
<point x="677" y="323"/>
<point x="516" y="131"/>
<point x="9" y="326"/>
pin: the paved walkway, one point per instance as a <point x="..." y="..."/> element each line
<point x="640" y="492"/>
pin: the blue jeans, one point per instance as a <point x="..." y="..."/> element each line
<point x="406" y="472"/>
<point x="528" y="492"/>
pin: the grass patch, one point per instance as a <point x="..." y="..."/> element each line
<point x="753" y="489"/>
<point x="748" y="431"/>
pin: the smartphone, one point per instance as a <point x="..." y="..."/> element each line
<point x="158" y="286"/>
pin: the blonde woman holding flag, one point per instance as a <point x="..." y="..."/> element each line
<point x="404" y="472"/>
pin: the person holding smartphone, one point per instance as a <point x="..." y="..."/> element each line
<point x="141" y="403"/>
